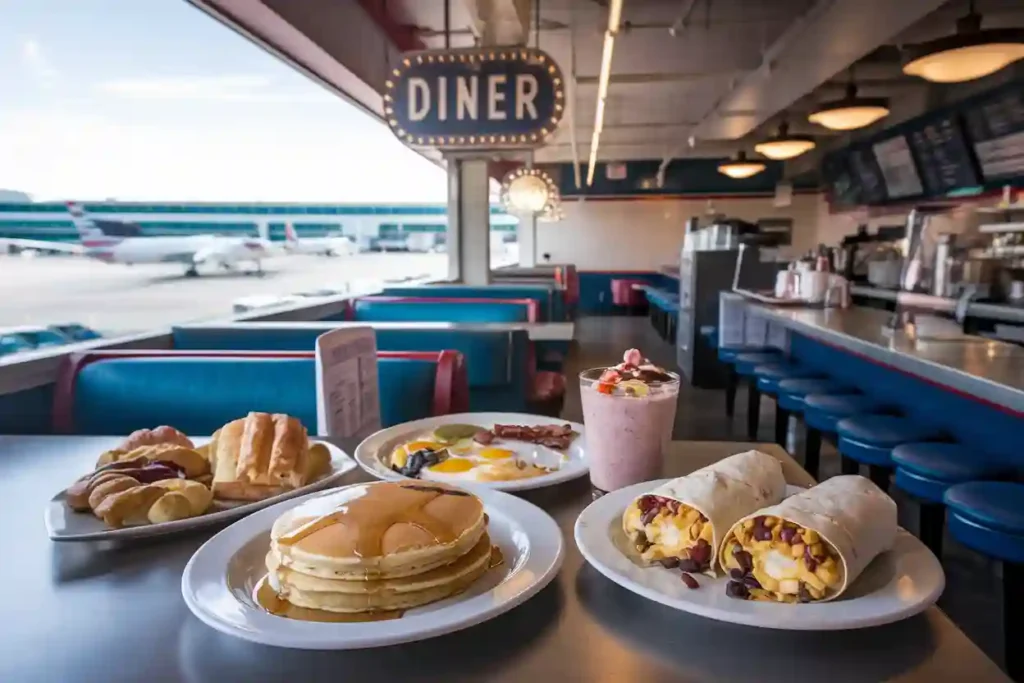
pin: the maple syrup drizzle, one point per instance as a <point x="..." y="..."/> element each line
<point x="378" y="510"/>
<point x="266" y="597"/>
<point x="497" y="558"/>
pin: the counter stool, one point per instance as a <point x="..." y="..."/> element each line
<point x="988" y="517"/>
<point x="821" y="413"/>
<point x="791" y="395"/>
<point x="769" y="380"/>
<point x="732" y="378"/>
<point x="744" y="364"/>
<point x="869" y="440"/>
<point x="926" y="470"/>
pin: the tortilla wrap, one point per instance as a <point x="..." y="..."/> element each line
<point x="723" y="493"/>
<point x="849" y="512"/>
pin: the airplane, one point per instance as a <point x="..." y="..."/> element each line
<point x="116" y="242"/>
<point x="321" y="246"/>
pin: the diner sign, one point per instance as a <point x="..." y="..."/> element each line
<point x="476" y="98"/>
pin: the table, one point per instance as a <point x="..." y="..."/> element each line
<point x="989" y="370"/>
<point x="98" y="612"/>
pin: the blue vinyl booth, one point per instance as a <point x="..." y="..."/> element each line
<point x="117" y="392"/>
<point x="496" y="360"/>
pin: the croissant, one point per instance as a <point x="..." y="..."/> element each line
<point x="259" y="456"/>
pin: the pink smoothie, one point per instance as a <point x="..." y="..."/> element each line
<point x="626" y="436"/>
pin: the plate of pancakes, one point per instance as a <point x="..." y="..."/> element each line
<point x="504" y="451"/>
<point x="374" y="564"/>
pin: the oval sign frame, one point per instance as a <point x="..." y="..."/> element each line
<point x="522" y="80"/>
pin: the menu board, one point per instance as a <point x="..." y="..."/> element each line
<point x="996" y="127"/>
<point x="943" y="156"/>
<point x="843" y="188"/>
<point x="898" y="168"/>
<point x="868" y="175"/>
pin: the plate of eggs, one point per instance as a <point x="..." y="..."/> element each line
<point x="530" y="451"/>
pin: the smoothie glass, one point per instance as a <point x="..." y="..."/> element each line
<point x="627" y="430"/>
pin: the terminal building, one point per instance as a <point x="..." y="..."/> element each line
<point x="371" y="226"/>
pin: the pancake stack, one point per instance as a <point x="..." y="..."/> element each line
<point x="380" y="547"/>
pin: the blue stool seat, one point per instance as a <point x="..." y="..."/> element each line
<point x="823" y="411"/>
<point x="869" y="439"/>
<point x="746" y="362"/>
<point x="728" y="354"/>
<point x="769" y="375"/>
<point x="926" y="470"/>
<point x="792" y="391"/>
<point x="989" y="517"/>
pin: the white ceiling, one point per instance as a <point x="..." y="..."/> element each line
<point x="731" y="71"/>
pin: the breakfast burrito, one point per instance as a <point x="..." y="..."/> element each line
<point x="681" y="523"/>
<point x="811" y="546"/>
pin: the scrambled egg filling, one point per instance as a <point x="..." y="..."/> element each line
<point x="669" y="532"/>
<point x="788" y="562"/>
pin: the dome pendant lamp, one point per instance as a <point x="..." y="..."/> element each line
<point x="850" y="112"/>
<point x="785" y="146"/>
<point x="740" y="167"/>
<point x="969" y="54"/>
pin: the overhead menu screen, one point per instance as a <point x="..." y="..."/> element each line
<point x="840" y="181"/>
<point x="868" y="175"/>
<point x="898" y="168"/>
<point x="996" y="128"/>
<point x="943" y="156"/>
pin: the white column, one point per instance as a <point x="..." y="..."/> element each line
<point x="526" y="235"/>
<point x="469" y="222"/>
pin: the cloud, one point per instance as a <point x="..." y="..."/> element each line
<point x="229" y="88"/>
<point x="36" y="62"/>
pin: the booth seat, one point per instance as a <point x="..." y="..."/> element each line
<point x="117" y="392"/>
<point x="434" y="309"/>
<point x="496" y="361"/>
<point x="550" y="299"/>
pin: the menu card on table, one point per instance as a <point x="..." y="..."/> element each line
<point x="347" y="396"/>
<point x="997" y="130"/>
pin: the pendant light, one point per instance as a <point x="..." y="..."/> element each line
<point x="784" y="145"/>
<point x="740" y="167"/>
<point x="851" y="111"/>
<point x="967" y="55"/>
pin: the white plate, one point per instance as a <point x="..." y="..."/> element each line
<point x="218" y="582"/>
<point x="64" y="524"/>
<point x="898" y="584"/>
<point x="573" y="464"/>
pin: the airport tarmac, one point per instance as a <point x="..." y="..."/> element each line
<point x="119" y="299"/>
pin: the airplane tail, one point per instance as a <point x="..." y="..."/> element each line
<point x="289" y="234"/>
<point x="85" y="226"/>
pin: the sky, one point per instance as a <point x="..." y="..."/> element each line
<point x="154" y="100"/>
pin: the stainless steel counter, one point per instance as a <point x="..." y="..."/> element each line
<point x="989" y="370"/>
<point x="101" y="612"/>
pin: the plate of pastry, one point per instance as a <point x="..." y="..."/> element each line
<point x="504" y="451"/>
<point x="733" y="542"/>
<point x="159" y="481"/>
<point x="372" y="564"/>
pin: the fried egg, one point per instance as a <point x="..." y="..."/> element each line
<point x="467" y="460"/>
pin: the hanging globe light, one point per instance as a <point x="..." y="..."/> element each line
<point x="969" y="54"/>
<point x="785" y="146"/>
<point x="740" y="167"/>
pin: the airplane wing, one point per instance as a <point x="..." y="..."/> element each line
<point x="43" y="245"/>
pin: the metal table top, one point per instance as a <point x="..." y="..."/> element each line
<point x="100" y="612"/>
<point x="990" y="370"/>
<point x="543" y="331"/>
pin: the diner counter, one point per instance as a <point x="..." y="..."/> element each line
<point x="989" y="370"/>
<point x="944" y="304"/>
<point x="104" y="612"/>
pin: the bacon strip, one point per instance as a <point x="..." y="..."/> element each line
<point x="552" y="436"/>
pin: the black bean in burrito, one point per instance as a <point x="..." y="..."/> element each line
<point x="681" y="523"/>
<point x="811" y="546"/>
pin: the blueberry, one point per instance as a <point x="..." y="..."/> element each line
<point x="735" y="589"/>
